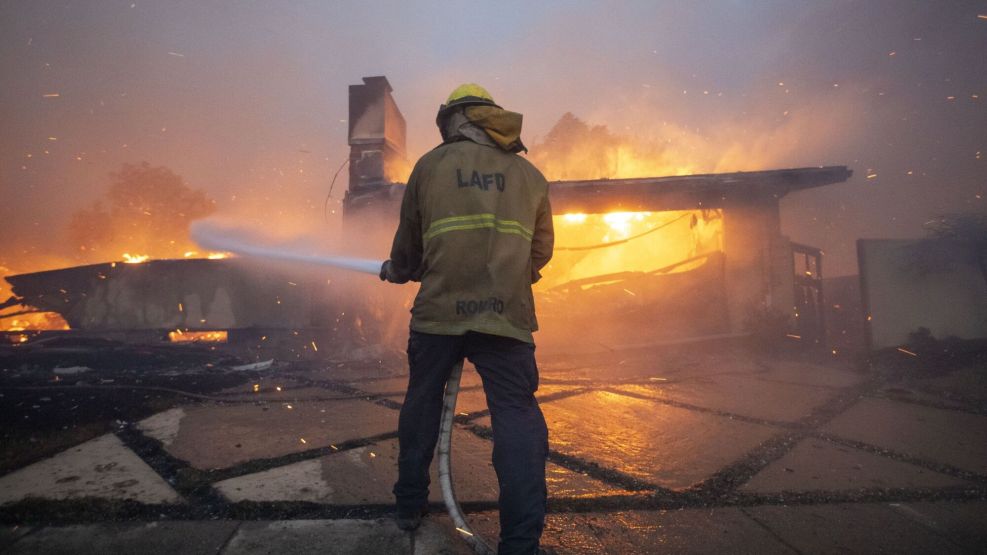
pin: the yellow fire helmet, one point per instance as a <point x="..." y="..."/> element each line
<point x="467" y="94"/>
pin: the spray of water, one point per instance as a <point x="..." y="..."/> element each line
<point x="214" y="238"/>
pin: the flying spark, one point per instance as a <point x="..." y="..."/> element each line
<point x="51" y="95"/>
<point x="907" y="352"/>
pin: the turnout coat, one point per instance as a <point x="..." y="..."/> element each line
<point x="475" y="229"/>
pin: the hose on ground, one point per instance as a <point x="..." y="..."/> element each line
<point x="445" y="465"/>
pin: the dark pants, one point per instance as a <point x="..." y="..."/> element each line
<point x="510" y="378"/>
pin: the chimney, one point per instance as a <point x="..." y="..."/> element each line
<point x="377" y="142"/>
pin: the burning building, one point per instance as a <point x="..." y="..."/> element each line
<point x="637" y="260"/>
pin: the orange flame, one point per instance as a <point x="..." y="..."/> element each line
<point x="213" y="336"/>
<point x="135" y="258"/>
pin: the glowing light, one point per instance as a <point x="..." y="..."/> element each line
<point x="589" y="245"/>
<point x="256" y="387"/>
<point x="217" y="336"/>
<point x="907" y="352"/>
<point x="621" y="221"/>
<point x="135" y="258"/>
<point x="210" y="255"/>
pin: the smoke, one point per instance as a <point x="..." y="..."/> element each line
<point x="235" y="241"/>
<point x="248" y="102"/>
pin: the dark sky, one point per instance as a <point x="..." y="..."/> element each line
<point x="247" y="100"/>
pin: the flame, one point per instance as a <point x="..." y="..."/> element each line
<point x="135" y="258"/>
<point x="208" y="255"/>
<point x="35" y="321"/>
<point x="589" y="245"/>
<point x="186" y="336"/>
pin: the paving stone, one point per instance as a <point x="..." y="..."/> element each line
<point x="343" y="372"/>
<point x="963" y="523"/>
<point x="660" y="444"/>
<point x="286" y="393"/>
<point x="220" y="436"/>
<point x="807" y="374"/>
<point x="399" y="384"/>
<point x="475" y="400"/>
<point x="301" y="537"/>
<point x="163" y="426"/>
<point x="387" y="386"/>
<point x="153" y="538"/>
<point x="723" y="530"/>
<point x="858" y="528"/>
<point x="439" y="535"/>
<point x="743" y="395"/>
<point x="951" y="437"/>
<point x="102" y="467"/>
<point x="367" y="474"/>
<point x="900" y="393"/>
<point x="815" y="465"/>
<point x="612" y="366"/>
<point x="969" y="382"/>
<point x="10" y="533"/>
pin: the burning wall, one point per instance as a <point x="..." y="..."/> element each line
<point x="638" y="259"/>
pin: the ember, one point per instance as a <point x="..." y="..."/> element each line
<point x="135" y="258"/>
<point x="179" y="336"/>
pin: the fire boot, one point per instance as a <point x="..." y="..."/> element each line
<point x="410" y="520"/>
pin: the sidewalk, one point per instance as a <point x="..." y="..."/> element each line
<point x="840" y="528"/>
<point x="683" y="452"/>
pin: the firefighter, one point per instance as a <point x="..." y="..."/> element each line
<point x="475" y="229"/>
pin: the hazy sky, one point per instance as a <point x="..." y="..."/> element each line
<point x="247" y="100"/>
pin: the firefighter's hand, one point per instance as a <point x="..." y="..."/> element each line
<point x="387" y="273"/>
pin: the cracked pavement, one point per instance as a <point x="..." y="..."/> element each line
<point x="651" y="450"/>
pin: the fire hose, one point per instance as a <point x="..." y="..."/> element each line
<point x="445" y="465"/>
<point x="214" y="239"/>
